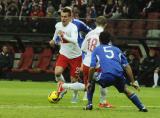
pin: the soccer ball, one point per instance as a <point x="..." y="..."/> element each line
<point x="53" y="97"/>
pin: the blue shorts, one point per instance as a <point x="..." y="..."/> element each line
<point x="107" y="79"/>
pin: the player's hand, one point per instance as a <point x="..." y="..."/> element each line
<point x="51" y="42"/>
<point x="60" y="33"/>
<point x="135" y="85"/>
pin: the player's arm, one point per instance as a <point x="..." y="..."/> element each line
<point x="85" y="28"/>
<point x="52" y="42"/>
<point x="84" y="46"/>
<point x="129" y="72"/>
<point x="72" y="38"/>
<point x="130" y="76"/>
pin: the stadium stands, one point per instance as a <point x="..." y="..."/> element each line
<point x="26" y="60"/>
<point x="123" y="28"/>
<point x="43" y="61"/>
<point x="138" y="29"/>
<point x="153" y="15"/>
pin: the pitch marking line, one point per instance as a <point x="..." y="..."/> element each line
<point x="37" y="107"/>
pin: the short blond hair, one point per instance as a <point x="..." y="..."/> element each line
<point x="101" y="20"/>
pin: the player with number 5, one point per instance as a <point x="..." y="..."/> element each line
<point x="114" y="66"/>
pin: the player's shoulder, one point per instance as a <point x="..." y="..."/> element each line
<point x="58" y="24"/>
<point x="72" y="25"/>
<point x="116" y="48"/>
<point x="89" y="34"/>
<point x="77" y="21"/>
<point x="93" y="33"/>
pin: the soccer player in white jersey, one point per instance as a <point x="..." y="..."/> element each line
<point x="70" y="52"/>
<point x="91" y="41"/>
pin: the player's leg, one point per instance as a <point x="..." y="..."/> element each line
<point x="58" y="74"/>
<point x="122" y="88"/>
<point x="85" y="95"/>
<point x="85" y="79"/>
<point x="90" y="93"/>
<point x="103" y="103"/>
<point x="61" y="64"/>
<point x="75" y="65"/>
<point x="63" y="87"/>
<point x="102" y="82"/>
<point x="74" y="86"/>
<point x="135" y="100"/>
<point x="155" y="78"/>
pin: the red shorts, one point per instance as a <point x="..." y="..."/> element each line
<point x="86" y="73"/>
<point x="74" y="64"/>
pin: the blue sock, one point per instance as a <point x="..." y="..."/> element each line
<point x="90" y="92"/>
<point x="134" y="98"/>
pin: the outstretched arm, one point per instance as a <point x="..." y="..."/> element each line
<point x="130" y="76"/>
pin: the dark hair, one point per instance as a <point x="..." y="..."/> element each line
<point x="105" y="37"/>
<point x="67" y="10"/>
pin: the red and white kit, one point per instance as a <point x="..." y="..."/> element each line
<point x="91" y="41"/>
<point x="70" y="53"/>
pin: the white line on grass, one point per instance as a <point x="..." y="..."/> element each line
<point x="54" y="106"/>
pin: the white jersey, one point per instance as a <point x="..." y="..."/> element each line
<point x="68" y="48"/>
<point x="90" y="42"/>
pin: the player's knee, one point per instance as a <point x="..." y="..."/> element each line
<point x="127" y="92"/>
<point x="74" y="79"/>
<point x="57" y="72"/>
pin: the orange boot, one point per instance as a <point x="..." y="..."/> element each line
<point x="105" y="105"/>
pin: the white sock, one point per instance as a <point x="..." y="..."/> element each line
<point x="60" y="78"/>
<point x="75" y="94"/>
<point x="74" y="86"/>
<point x="155" y="77"/>
<point x="103" y="94"/>
<point x="85" y="95"/>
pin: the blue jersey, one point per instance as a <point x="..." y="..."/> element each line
<point x="110" y="58"/>
<point x="82" y="27"/>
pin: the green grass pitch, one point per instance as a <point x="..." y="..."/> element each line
<point x="29" y="100"/>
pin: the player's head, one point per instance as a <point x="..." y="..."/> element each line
<point x="75" y="11"/>
<point x="66" y="15"/>
<point x="5" y="49"/>
<point x="68" y="8"/>
<point x="72" y="11"/>
<point x="105" y="37"/>
<point x="101" y="21"/>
